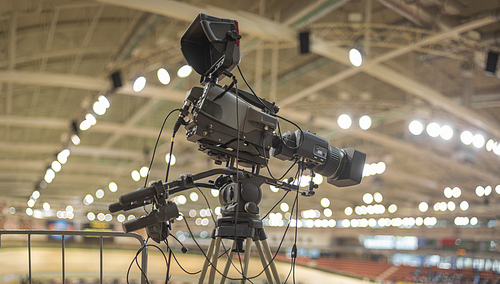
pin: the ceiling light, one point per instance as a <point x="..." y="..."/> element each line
<point x="480" y="191"/>
<point x="451" y="206"/>
<point x="497" y="189"/>
<point x="284" y="207"/>
<point x="344" y="121"/>
<point x="84" y="125"/>
<point x="136" y="176"/>
<point x="120" y="218"/>
<point x="423" y="207"/>
<point x="365" y="122"/>
<point x="214" y="192"/>
<point x="448" y="192"/>
<point x="464" y="205"/>
<point x="163" y="76"/>
<point x="99" y="193"/>
<point x="144" y="171"/>
<point x="496" y="150"/>
<point x="49" y="175"/>
<point x="35" y="194"/>
<point x="490" y="145"/>
<point x="170" y="159"/>
<point x="75" y="139"/>
<point x="184" y="71"/>
<point x="29" y="211"/>
<point x="487" y="190"/>
<point x="327" y="212"/>
<point x="478" y="141"/>
<point x="348" y="211"/>
<point x="377" y="196"/>
<point x="101" y="216"/>
<point x="325" y="202"/>
<point x="108" y="217"/>
<point x="380" y="168"/>
<point x="416" y="127"/>
<point x="433" y="129"/>
<point x="466" y="137"/>
<point x="89" y="199"/>
<point x="446" y="132"/>
<point x="31" y="202"/>
<point x="69" y="209"/>
<point x="181" y="199"/>
<point x="355" y="57"/>
<point x="193" y="196"/>
<point x="46" y="206"/>
<point x="318" y="179"/>
<point x="104" y="101"/>
<point x="392" y="208"/>
<point x="456" y="192"/>
<point x="62" y="157"/>
<point x="56" y="166"/>
<point x="139" y="84"/>
<point x="473" y="221"/>
<point x="274" y="188"/>
<point x="367" y="198"/>
<point x="113" y="187"/>
<point x="99" y="107"/>
<point x="91" y="118"/>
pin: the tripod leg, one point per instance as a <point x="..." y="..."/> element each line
<point x="206" y="264"/>
<point x="248" y="247"/>
<point x="264" y="262"/>
<point x="215" y="257"/>
<point x="272" y="264"/>
<point x="228" y="263"/>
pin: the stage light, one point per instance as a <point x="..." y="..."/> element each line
<point x="344" y="121"/>
<point x="365" y="122"/>
<point x="184" y="71"/>
<point x="433" y="129"/>
<point x="355" y="57"/>
<point x="139" y="84"/>
<point x="446" y="132"/>
<point x="163" y="76"/>
<point x="466" y="137"/>
<point x="416" y="127"/>
<point x="75" y="139"/>
<point x="478" y="141"/>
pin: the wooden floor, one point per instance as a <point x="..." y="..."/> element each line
<point x="82" y="265"/>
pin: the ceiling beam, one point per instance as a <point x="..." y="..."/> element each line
<point x="266" y="28"/>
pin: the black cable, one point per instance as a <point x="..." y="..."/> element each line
<point x="248" y="85"/>
<point x="145" y="245"/>
<point x="276" y="204"/>
<point x="177" y="261"/>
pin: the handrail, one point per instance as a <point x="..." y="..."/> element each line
<point x="99" y="234"/>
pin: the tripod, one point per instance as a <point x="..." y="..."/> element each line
<point x="247" y="228"/>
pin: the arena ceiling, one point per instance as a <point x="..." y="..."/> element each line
<point x="423" y="59"/>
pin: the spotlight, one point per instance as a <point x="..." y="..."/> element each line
<point x="139" y="84"/>
<point x="90" y="118"/>
<point x="163" y="76"/>
<point x="75" y="139"/>
<point x="355" y="57"/>
<point x="99" y="106"/>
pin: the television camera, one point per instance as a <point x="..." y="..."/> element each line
<point x="237" y="128"/>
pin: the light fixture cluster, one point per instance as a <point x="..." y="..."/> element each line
<point x="66" y="214"/>
<point x="369" y="198"/>
<point x="446" y="132"/>
<point x="486" y="191"/>
<point x="344" y="121"/>
<point x="163" y="77"/>
<point x="374" y="169"/>
<point x="99" y="107"/>
<point x="464" y="221"/>
<point x="91" y="216"/>
<point x="89" y="198"/>
<point x="277" y="220"/>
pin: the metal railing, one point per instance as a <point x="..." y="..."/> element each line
<point x="63" y="234"/>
